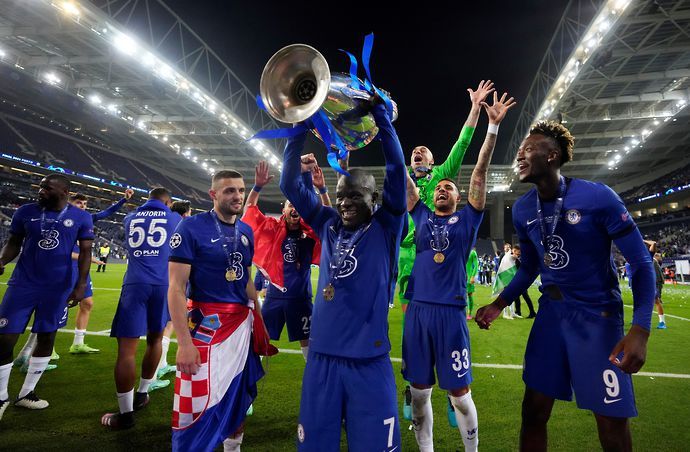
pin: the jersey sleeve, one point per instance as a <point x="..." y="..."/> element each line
<point x="17" y="225"/>
<point x="183" y="243"/>
<point x="420" y="214"/>
<point x="85" y="228"/>
<point x="451" y="167"/>
<point x="292" y="185"/>
<point x="612" y="214"/>
<point x="529" y="265"/>
<point x="472" y="220"/>
<point x="394" y="196"/>
<point x="109" y="211"/>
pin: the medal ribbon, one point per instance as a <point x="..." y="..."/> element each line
<point x="338" y="256"/>
<point x="437" y="231"/>
<point x="223" y="241"/>
<point x="56" y="221"/>
<point x="546" y="239"/>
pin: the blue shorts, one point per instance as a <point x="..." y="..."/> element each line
<point x="143" y="308"/>
<point x="295" y="312"/>
<point x="436" y="335"/>
<point x="568" y="350"/>
<point x="49" y="307"/>
<point x="360" y="391"/>
<point x="87" y="293"/>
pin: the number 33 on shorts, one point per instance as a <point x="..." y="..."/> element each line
<point x="460" y="361"/>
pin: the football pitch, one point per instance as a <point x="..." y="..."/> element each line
<point x="81" y="389"/>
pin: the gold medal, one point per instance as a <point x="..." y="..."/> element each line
<point x="439" y="258"/>
<point x="230" y="275"/>
<point x="329" y="292"/>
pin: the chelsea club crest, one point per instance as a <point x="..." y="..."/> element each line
<point x="573" y="216"/>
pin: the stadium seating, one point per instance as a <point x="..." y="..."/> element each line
<point x="677" y="178"/>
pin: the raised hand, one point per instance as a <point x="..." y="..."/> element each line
<point x="317" y="177"/>
<point x="261" y="174"/>
<point x="308" y="162"/>
<point x="500" y="107"/>
<point x="128" y="194"/>
<point x="484" y="89"/>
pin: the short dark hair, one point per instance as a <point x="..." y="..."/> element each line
<point x="455" y="184"/>
<point x="181" y="207"/>
<point x="516" y="247"/>
<point x="159" y="193"/>
<point x="78" y="197"/>
<point x="226" y="174"/>
<point x="509" y="244"/>
<point x="60" y="178"/>
<point x="560" y="134"/>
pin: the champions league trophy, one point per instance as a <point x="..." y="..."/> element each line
<point x="297" y="86"/>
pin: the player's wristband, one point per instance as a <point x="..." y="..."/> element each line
<point x="323" y="190"/>
<point x="257" y="188"/>
<point x="493" y="129"/>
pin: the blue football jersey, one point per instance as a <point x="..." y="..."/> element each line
<point x="354" y="324"/>
<point x="581" y="265"/>
<point x="196" y="242"/>
<point x="46" y="259"/>
<point x="147" y="239"/>
<point x="297" y="253"/>
<point x="442" y="282"/>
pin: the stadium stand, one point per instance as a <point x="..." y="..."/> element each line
<point x="30" y="135"/>
<point x="671" y="181"/>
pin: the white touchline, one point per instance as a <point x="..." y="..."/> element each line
<point x="667" y="315"/>
<point x="291" y="351"/>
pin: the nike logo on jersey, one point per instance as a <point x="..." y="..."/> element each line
<point x="460" y="375"/>
<point x="215" y="240"/>
<point x="393" y="449"/>
<point x="531" y="221"/>
<point x="610" y="401"/>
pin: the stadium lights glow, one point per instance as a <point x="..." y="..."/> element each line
<point x="51" y="78"/>
<point x="128" y="45"/>
<point x="125" y="44"/>
<point x="500" y="188"/>
<point x="70" y="8"/>
<point x="3" y="54"/>
<point x="95" y="99"/>
<point x="589" y="42"/>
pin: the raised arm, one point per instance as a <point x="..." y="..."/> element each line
<point x="496" y="112"/>
<point x="114" y="208"/>
<point x="261" y="178"/>
<point x="412" y="193"/>
<point x="291" y="184"/>
<point x="451" y="167"/>
<point x="394" y="185"/>
<point x="320" y="184"/>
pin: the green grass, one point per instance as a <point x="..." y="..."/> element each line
<point x="82" y="389"/>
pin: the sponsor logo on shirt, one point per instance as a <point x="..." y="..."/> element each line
<point x="3" y="322"/>
<point x="245" y="240"/>
<point x="49" y="241"/>
<point x="300" y="433"/>
<point x="454" y="219"/>
<point x="146" y="253"/>
<point x="68" y="223"/>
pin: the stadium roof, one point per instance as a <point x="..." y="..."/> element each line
<point x="617" y="73"/>
<point x="157" y="92"/>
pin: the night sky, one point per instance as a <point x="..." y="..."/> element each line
<point x="426" y="56"/>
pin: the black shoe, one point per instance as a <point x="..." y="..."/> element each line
<point x="118" y="421"/>
<point x="531" y="315"/>
<point x="141" y="399"/>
